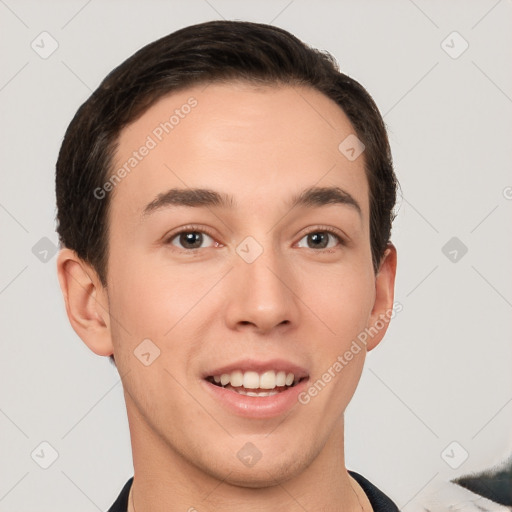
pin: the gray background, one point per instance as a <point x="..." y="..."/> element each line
<point x="441" y="375"/>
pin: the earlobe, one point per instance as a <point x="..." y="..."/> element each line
<point x="384" y="296"/>
<point x="85" y="300"/>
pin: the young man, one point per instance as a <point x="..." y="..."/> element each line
<point x="224" y="204"/>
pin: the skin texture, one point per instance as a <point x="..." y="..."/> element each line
<point x="207" y="307"/>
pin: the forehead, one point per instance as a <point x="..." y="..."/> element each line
<point x="259" y="144"/>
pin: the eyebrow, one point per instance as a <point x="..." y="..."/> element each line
<point x="202" y="197"/>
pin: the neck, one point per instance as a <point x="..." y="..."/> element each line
<point x="164" y="480"/>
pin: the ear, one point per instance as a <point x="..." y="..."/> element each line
<point x="86" y="302"/>
<point x="384" y="295"/>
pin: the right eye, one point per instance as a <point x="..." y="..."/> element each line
<point x="190" y="239"/>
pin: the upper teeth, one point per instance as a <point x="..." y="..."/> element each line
<point x="254" y="380"/>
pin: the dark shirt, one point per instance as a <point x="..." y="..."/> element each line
<point x="379" y="501"/>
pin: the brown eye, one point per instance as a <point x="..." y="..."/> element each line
<point x="191" y="240"/>
<point x="320" y="240"/>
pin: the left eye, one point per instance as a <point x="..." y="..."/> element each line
<point x="191" y="240"/>
<point x="320" y="240"/>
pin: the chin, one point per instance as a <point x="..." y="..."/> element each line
<point x="265" y="472"/>
<point x="267" y="475"/>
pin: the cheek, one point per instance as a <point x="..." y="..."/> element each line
<point x="151" y="299"/>
<point x="339" y="355"/>
<point x="343" y="303"/>
<point x="342" y="300"/>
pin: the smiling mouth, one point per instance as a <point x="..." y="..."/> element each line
<point x="256" y="384"/>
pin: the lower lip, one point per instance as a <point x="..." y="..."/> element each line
<point x="256" y="406"/>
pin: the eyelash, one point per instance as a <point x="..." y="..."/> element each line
<point x="200" y="229"/>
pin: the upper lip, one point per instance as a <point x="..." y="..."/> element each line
<point x="254" y="365"/>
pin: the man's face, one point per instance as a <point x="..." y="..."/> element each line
<point x="250" y="287"/>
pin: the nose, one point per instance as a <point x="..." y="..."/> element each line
<point x="262" y="294"/>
